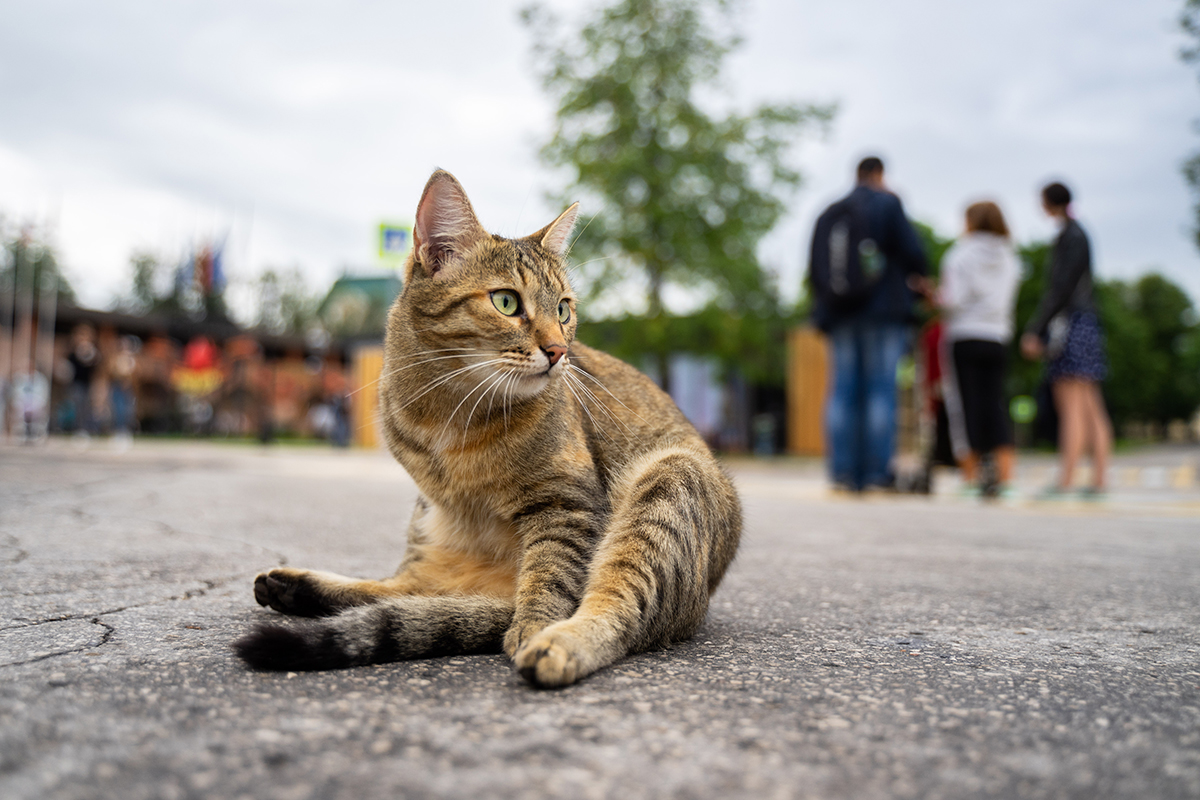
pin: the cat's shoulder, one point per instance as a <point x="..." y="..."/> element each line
<point x="598" y="362"/>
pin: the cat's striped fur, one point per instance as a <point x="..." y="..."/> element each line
<point x="569" y="514"/>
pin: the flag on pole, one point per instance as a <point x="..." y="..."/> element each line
<point x="218" y="267"/>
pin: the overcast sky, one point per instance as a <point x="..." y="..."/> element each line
<point x="297" y="127"/>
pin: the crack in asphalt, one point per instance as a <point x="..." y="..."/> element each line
<point x="190" y="594"/>
<point x="109" y="630"/>
<point x="69" y="493"/>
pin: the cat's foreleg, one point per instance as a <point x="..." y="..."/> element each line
<point x="559" y="537"/>
<point x="674" y="517"/>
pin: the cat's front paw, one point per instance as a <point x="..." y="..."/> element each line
<point x="519" y="633"/>
<point x="551" y="658"/>
<point x="291" y="591"/>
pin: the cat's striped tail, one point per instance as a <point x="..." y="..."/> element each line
<point x="396" y="629"/>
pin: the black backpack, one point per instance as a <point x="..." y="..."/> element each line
<point x="845" y="263"/>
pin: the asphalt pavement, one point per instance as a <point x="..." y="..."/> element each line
<point x="879" y="647"/>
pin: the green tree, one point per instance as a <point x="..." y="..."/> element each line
<point x="157" y="287"/>
<point x="935" y="246"/>
<point x="1025" y="376"/>
<point x="147" y="274"/>
<point x="285" y="303"/>
<point x="1170" y="321"/>
<point x="35" y="264"/>
<point x="679" y="197"/>
<point x="1189" y="21"/>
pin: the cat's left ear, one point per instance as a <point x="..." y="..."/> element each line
<point x="557" y="235"/>
<point x="446" y="225"/>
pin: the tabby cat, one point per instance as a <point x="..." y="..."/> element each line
<point x="568" y="513"/>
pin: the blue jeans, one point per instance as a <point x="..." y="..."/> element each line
<point x="122" y="409"/>
<point x="860" y="411"/>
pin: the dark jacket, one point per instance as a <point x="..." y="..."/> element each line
<point x="891" y="300"/>
<point x="1069" y="287"/>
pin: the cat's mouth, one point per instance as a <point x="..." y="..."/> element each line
<point x="535" y="378"/>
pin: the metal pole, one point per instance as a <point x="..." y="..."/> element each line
<point x="47" y="313"/>
<point x="8" y="317"/>
<point x="23" y="349"/>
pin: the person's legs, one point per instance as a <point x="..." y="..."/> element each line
<point x="1099" y="431"/>
<point x="968" y="380"/>
<point x="843" y="407"/>
<point x="997" y="435"/>
<point x="883" y="345"/>
<point x="969" y="465"/>
<point x="1006" y="461"/>
<point x="120" y="409"/>
<point x="81" y="402"/>
<point x="1070" y="402"/>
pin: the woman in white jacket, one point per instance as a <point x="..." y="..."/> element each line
<point x="979" y="278"/>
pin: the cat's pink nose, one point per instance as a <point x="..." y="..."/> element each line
<point x="554" y="352"/>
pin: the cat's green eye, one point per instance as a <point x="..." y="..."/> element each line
<point x="506" y="302"/>
<point x="564" y="312"/>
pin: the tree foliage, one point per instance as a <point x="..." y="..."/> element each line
<point x="156" y="286"/>
<point x="285" y="302"/>
<point x="153" y="288"/>
<point x="33" y="263"/>
<point x="934" y="244"/>
<point x="676" y="199"/>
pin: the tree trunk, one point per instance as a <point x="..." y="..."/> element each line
<point x="660" y="348"/>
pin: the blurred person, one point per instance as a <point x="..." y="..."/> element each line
<point x="341" y="419"/>
<point x="936" y="423"/>
<point x="84" y="358"/>
<point x="977" y="296"/>
<point x="1066" y="331"/>
<point x="121" y="387"/>
<point x="864" y="249"/>
<point x="31" y="406"/>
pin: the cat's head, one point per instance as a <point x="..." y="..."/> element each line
<point x="481" y="316"/>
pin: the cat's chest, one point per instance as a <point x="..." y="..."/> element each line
<point x="468" y="526"/>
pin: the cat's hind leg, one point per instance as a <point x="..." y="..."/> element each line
<point x="394" y="629"/>
<point x="674" y="529"/>
<point x="310" y="593"/>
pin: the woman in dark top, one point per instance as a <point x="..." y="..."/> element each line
<point x="1067" y="332"/>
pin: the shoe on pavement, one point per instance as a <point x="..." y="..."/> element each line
<point x="1052" y="493"/>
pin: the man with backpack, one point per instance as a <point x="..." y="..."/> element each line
<point x="864" y="251"/>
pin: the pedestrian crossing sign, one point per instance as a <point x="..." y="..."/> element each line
<point x="395" y="240"/>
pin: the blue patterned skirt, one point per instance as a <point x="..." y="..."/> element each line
<point x="1082" y="353"/>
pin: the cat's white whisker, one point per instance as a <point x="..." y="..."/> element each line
<point x="600" y="383"/>
<point x="592" y="218"/>
<point x="390" y="373"/>
<point x="590" y="261"/>
<point x="466" y="397"/>
<point x="442" y="381"/>
<point x="508" y="396"/>
<point x="497" y="378"/>
<point x="571" y="379"/>
<point x="509" y="375"/>
<point x="583" y="387"/>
